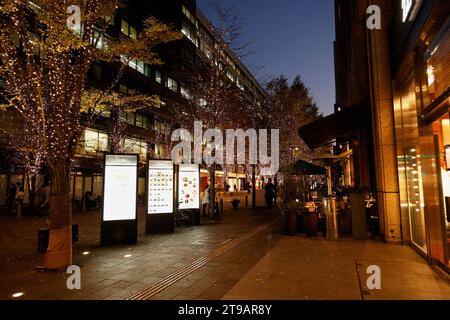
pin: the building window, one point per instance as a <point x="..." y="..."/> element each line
<point x="128" y="30"/>
<point x="189" y="33"/>
<point x="239" y="84"/>
<point x="95" y="141"/>
<point x="190" y="16"/>
<point x="437" y="65"/>
<point x="184" y="93"/>
<point x="147" y="70"/>
<point x="136" y="146"/>
<point x="171" y="84"/>
<point x="230" y="75"/>
<point x="141" y="121"/>
<point x="131" y="118"/>
<point x="137" y="65"/>
<point x="99" y="41"/>
<point x="158" y="76"/>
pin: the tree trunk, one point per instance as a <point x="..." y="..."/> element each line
<point x="59" y="252"/>
<point x="254" y="186"/>
<point x="212" y="190"/>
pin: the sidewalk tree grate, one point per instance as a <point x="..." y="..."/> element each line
<point x="169" y="280"/>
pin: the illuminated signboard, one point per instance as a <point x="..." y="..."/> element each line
<point x="120" y="185"/>
<point x="160" y="187"/>
<point x="189" y="187"/>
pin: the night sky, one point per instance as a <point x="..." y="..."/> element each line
<point x="289" y="37"/>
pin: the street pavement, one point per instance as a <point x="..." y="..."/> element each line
<point x="243" y="256"/>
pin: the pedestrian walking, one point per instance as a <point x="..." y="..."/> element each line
<point x="270" y="194"/>
<point x="205" y="201"/>
<point x="20" y="195"/>
<point x="46" y="192"/>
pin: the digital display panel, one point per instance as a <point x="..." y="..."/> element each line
<point x="189" y="187"/>
<point x="160" y="187"/>
<point x="120" y="186"/>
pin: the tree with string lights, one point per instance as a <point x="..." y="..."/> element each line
<point x="212" y="96"/>
<point x="47" y="48"/>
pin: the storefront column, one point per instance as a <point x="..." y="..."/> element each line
<point x="383" y="127"/>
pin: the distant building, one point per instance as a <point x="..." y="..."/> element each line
<point x="148" y="131"/>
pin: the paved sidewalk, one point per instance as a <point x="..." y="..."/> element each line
<point x="244" y="256"/>
<point x="119" y="271"/>
<point x="298" y="268"/>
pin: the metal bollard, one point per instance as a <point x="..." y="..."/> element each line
<point x="221" y="206"/>
<point x="246" y="201"/>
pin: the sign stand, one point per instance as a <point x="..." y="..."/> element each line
<point x="160" y="197"/>
<point x="188" y="190"/>
<point x="119" y="210"/>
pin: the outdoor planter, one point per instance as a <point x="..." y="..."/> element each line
<point x="311" y="223"/>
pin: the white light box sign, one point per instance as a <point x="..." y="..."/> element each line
<point x="160" y="187"/>
<point x="120" y="187"/>
<point x="189" y="187"/>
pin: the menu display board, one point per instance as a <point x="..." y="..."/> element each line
<point x="120" y="185"/>
<point x="160" y="187"/>
<point x="189" y="187"/>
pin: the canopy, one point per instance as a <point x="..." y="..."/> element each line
<point x="337" y="125"/>
<point x="305" y="168"/>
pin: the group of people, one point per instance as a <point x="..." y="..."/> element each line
<point x="17" y="196"/>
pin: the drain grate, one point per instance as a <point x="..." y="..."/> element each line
<point x="166" y="282"/>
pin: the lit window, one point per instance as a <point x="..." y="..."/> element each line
<point x="189" y="15"/>
<point x="189" y="33"/>
<point x="131" y="118"/>
<point x="95" y="141"/>
<point x="184" y="93"/>
<point x="135" y="146"/>
<point x="147" y="70"/>
<point x="125" y="27"/>
<point x="158" y="77"/>
<point x="172" y="84"/>
<point x="140" y="66"/>
<point x="133" y="33"/>
<point x="230" y="76"/>
<point x="128" y="30"/>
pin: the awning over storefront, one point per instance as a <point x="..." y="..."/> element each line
<point x="336" y="125"/>
<point x="305" y="168"/>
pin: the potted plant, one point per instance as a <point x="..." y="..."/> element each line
<point x="235" y="203"/>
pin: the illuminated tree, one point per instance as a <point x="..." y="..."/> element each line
<point x="46" y="54"/>
<point x="289" y="107"/>
<point x="213" y="95"/>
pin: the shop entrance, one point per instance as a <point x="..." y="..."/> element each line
<point x="441" y="132"/>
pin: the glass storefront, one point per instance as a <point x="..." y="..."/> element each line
<point x="422" y="123"/>
<point x="441" y="130"/>
<point x="409" y="165"/>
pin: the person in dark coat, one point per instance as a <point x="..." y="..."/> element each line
<point x="270" y="194"/>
